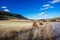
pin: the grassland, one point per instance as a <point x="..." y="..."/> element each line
<point x="26" y="30"/>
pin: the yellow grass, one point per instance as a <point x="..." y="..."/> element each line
<point x="15" y="25"/>
<point x="25" y="30"/>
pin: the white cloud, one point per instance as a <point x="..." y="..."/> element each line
<point x="6" y="10"/>
<point x="3" y="7"/>
<point x="42" y="13"/>
<point x="54" y="1"/>
<point x="46" y="6"/>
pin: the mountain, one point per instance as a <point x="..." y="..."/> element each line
<point x="7" y="15"/>
<point x="54" y="19"/>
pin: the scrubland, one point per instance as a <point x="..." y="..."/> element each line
<point x="26" y="30"/>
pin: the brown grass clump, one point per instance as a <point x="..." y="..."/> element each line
<point x="34" y="24"/>
<point x="40" y="23"/>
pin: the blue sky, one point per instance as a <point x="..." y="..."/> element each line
<point x="32" y="9"/>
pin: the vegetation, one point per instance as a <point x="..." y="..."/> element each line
<point x="6" y="15"/>
<point x="45" y="32"/>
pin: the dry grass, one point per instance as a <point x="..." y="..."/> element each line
<point x="12" y="25"/>
<point x="25" y="30"/>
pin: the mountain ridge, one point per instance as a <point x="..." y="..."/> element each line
<point x="7" y="15"/>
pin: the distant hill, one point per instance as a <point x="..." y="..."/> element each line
<point x="55" y="19"/>
<point x="51" y="19"/>
<point x="6" y="16"/>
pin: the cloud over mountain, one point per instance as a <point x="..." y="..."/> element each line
<point x="6" y="10"/>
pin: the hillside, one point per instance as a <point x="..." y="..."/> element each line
<point x="6" y="16"/>
<point x="51" y="19"/>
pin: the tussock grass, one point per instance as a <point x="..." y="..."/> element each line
<point x="45" y="32"/>
<point x="29" y="34"/>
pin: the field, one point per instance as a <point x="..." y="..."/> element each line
<point x="26" y="30"/>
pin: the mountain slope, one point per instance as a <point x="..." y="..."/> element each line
<point x="6" y="15"/>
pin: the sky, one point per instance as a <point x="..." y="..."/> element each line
<point x="32" y="9"/>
